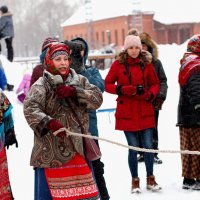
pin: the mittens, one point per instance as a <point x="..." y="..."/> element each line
<point x="128" y="90"/>
<point x="64" y="91"/>
<point x="55" y="125"/>
<point x="158" y="103"/>
<point x="10" y="138"/>
<point x="148" y="96"/>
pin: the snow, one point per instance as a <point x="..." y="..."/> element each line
<point x="164" y="10"/>
<point x="117" y="174"/>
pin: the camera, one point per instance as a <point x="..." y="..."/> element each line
<point x="76" y="48"/>
<point x="139" y="89"/>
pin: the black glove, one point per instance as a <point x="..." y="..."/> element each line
<point x="10" y="138"/>
<point x="139" y="89"/>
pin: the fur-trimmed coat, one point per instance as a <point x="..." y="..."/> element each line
<point x="157" y="64"/>
<point x="41" y="105"/>
<point x="6" y="25"/>
<point x="133" y="113"/>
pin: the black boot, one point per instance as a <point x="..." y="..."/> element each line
<point x="188" y="183"/>
<point x="9" y="87"/>
<point x="157" y="160"/>
<point x="98" y="168"/>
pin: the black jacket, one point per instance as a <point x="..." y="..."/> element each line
<point x="189" y="98"/>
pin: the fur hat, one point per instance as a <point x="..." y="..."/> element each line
<point x="4" y="9"/>
<point x="47" y="42"/>
<point x="132" y="40"/>
<point x="54" y="50"/>
<point x="150" y="43"/>
<point x="194" y="44"/>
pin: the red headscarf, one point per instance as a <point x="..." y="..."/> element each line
<point x="59" y="49"/>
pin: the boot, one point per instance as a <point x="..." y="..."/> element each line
<point x="157" y="160"/>
<point x="188" y="183"/>
<point x="9" y="87"/>
<point x="151" y="184"/>
<point x="135" y="185"/>
<point x="197" y="185"/>
<point x="98" y="168"/>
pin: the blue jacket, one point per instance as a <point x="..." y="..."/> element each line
<point x="3" y="79"/>
<point x="94" y="77"/>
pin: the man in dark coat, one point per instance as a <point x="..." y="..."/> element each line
<point x="79" y="56"/>
<point x="7" y="31"/>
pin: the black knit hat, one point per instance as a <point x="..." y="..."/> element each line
<point x="4" y="9"/>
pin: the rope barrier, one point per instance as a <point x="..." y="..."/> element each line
<point x="126" y="146"/>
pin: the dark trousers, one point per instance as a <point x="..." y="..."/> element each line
<point x="98" y="170"/>
<point x="10" y="51"/>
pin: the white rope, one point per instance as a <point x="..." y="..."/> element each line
<point x="126" y="146"/>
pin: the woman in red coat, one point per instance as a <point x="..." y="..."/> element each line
<point x="135" y="82"/>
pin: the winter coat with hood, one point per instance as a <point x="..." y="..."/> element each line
<point x="133" y="113"/>
<point x="153" y="49"/>
<point x="93" y="76"/>
<point x="6" y="25"/>
<point x="41" y="105"/>
<point x="189" y="81"/>
<point x="25" y="84"/>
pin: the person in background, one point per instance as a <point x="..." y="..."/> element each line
<point x="7" y="31"/>
<point x="149" y="45"/>
<point x="135" y="82"/>
<point x="38" y="70"/>
<point x="24" y="86"/>
<point x="188" y="119"/>
<point x="3" y="80"/>
<point x="61" y="171"/>
<point x="78" y="63"/>
<point x="7" y="138"/>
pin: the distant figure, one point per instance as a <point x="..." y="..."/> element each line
<point x="189" y="113"/>
<point x="7" y="31"/>
<point x="24" y="87"/>
<point x="3" y="80"/>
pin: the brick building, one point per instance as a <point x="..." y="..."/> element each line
<point x="100" y="33"/>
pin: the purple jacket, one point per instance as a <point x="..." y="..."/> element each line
<point x="25" y="84"/>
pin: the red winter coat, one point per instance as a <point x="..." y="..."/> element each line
<point x="133" y="113"/>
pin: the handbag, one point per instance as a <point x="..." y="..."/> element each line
<point x="91" y="149"/>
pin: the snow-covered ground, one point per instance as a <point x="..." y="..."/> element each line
<point x="117" y="174"/>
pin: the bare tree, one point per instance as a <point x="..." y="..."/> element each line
<point x="34" y="20"/>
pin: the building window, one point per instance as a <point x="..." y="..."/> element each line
<point x="97" y="36"/>
<point x="123" y="36"/>
<point x="116" y="37"/>
<point x="108" y="33"/>
<point x="103" y="38"/>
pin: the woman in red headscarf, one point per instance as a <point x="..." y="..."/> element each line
<point x="61" y="171"/>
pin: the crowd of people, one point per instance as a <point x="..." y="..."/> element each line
<point x="61" y="97"/>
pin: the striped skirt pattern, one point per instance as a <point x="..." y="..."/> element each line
<point x="72" y="181"/>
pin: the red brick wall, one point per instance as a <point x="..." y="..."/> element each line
<point x="115" y="29"/>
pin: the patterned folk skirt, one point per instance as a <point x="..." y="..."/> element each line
<point x="72" y="181"/>
<point x="190" y="140"/>
<point x="5" y="189"/>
